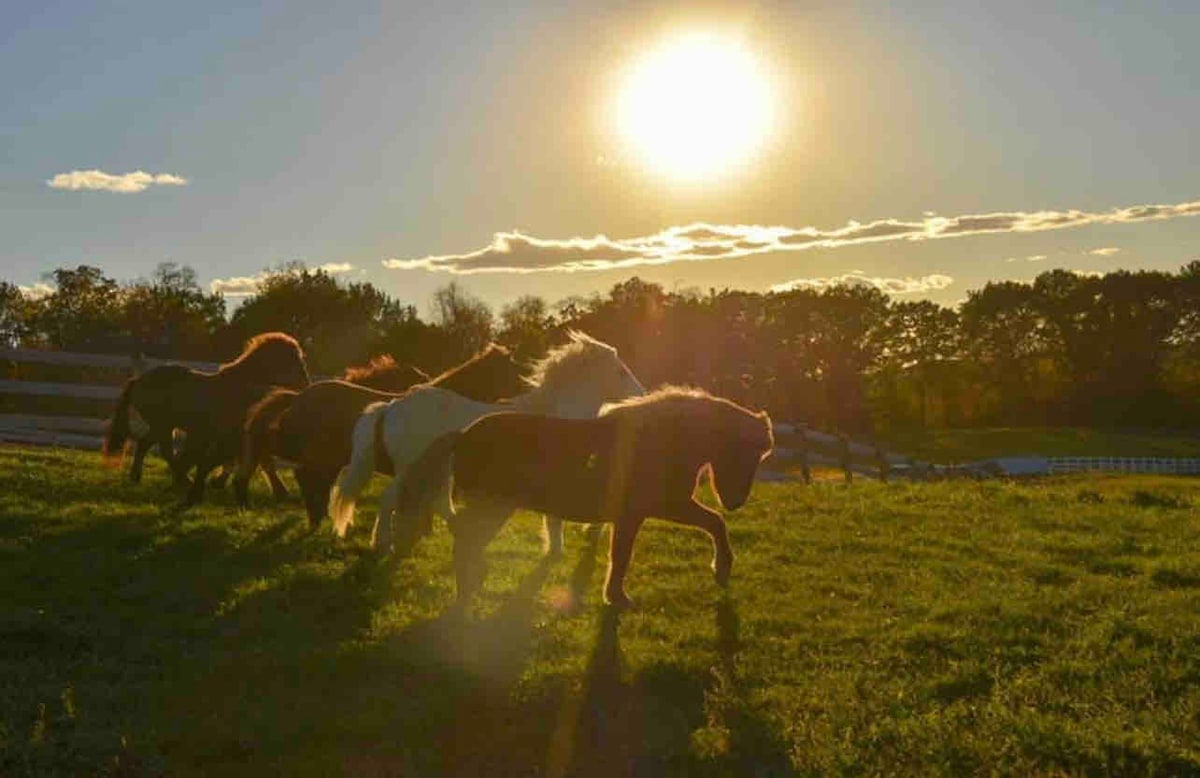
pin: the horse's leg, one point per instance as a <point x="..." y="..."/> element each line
<point x="314" y="487"/>
<point x="141" y="447"/>
<point x="620" y="551"/>
<point x="552" y="535"/>
<point x="693" y="514"/>
<point x="473" y="528"/>
<point x="206" y="461"/>
<point x="219" y="480"/>
<point x="278" y="490"/>
<point x="382" y="534"/>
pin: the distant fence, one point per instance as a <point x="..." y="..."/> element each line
<point x="69" y="431"/>
<point x="1161" y="465"/>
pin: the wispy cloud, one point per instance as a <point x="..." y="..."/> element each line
<point x="36" y="291"/>
<point x="907" y="285"/>
<point x="244" y="286"/>
<point x="1034" y="258"/>
<point x="516" y="252"/>
<point x="125" y="183"/>
<point x="1107" y="251"/>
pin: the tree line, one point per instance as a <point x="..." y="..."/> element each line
<point x="1121" y="348"/>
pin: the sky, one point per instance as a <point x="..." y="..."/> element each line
<point x="926" y="148"/>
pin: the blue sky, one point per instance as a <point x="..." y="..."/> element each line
<point x="354" y="134"/>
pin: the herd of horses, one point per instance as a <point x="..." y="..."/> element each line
<point x="574" y="437"/>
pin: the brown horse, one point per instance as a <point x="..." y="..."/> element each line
<point x="313" y="428"/>
<point x="154" y="404"/>
<point x="383" y="372"/>
<point x="640" y="458"/>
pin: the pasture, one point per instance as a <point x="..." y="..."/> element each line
<point x="1043" y="627"/>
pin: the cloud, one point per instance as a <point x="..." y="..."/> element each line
<point x="516" y="252"/>
<point x="126" y="183"/>
<point x="244" y="286"/>
<point x="929" y="283"/>
<point x="37" y="291"/>
<point x="1034" y="258"/>
<point x="1107" y="251"/>
<point x="238" y="286"/>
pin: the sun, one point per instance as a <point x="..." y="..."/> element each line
<point x="695" y="109"/>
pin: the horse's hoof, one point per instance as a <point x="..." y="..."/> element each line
<point x="618" y="601"/>
<point x="722" y="572"/>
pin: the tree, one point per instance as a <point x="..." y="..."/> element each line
<point x="526" y="326"/>
<point x="14" y="315"/>
<point x="83" y="313"/>
<point x="170" y="315"/>
<point x="463" y="321"/>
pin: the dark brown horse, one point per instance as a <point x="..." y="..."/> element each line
<point x="154" y="404"/>
<point x="640" y="458"/>
<point x="313" y="428"/>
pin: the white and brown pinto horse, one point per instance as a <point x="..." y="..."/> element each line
<point x="641" y="458"/>
<point x="573" y="381"/>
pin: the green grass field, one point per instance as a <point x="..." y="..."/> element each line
<point x="1017" y="628"/>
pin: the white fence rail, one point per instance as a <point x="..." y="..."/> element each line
<point x="1160" y="465"/>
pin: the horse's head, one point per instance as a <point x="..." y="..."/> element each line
<point x="273" y="358"/>
<point x="502" y="374"/>
<point x="583" y="375"/>
<point x="740" y="449"/>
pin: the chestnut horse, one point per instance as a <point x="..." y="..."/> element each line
<point x="154" y="404"/>
<point x="640" y="458"/>
<point x="313" y="428"/>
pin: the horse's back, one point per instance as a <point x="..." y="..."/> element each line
<point x="319" y="423"/>
<point x="541" y="463"/>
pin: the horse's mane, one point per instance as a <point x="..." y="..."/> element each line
<point x="357" y="374"/>
<point x="563" y="361"/>
<point x="490" y="351"/>
<point x="264" y="340"/>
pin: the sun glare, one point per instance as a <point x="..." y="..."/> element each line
<point x="695" y="109"/>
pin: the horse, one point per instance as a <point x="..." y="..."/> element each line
<point x="382" y="372"/>
<point x="639" y="458"/>
<point x="312" y="428"/>
<point x="573" y="381"/>
<point x="151" y="406"/>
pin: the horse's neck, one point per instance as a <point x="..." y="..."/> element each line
<point x="248" y="370"/>
<point x="569" y="402"/>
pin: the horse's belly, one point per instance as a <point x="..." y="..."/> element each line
<point x="573" y="492"/>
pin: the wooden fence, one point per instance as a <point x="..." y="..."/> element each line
<point x="80" y="431"/>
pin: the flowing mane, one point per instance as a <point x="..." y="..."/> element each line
<point x="263" y="342"/>
<point x="385" y="373"/>
<point x="490" y="351"/>
<point x="565" y="361"/>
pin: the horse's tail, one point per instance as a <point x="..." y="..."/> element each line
<point x="118" y="426"/>
<point x="257" y="435"/>
<point x="428" y="482"/>
<point x="368" y="433"/>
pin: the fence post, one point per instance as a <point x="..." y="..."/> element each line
<point x="882" y="463"/>
<point x="845" y="455"/>
<point x="805" y="470"/>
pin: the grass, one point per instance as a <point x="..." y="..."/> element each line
<point x="964" y="445"/>
<point x="1036" y="628"/>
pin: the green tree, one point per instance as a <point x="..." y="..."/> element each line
<point x="170" y="315"/>
<point x="83" y="313"/>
